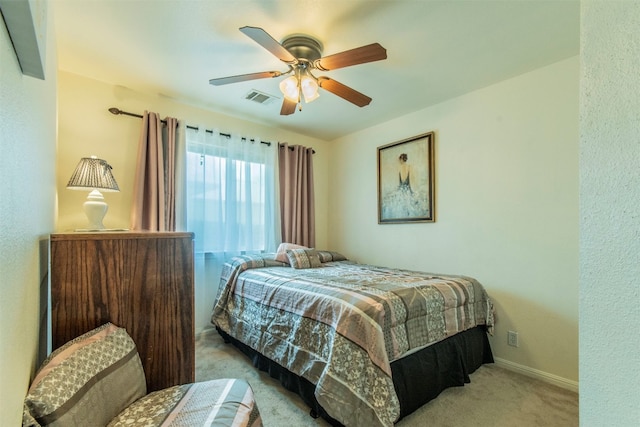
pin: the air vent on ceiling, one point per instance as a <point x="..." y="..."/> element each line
<point x="259" y="97"/>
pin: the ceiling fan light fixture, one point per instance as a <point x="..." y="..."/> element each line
<point x="301" y="83"/>
<point x="309" y="87"/>
<point x="289" y="88"/>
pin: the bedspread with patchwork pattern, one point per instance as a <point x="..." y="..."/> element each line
<point x="341" y="325"/>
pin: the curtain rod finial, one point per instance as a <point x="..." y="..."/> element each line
<point x="114" y="110"/>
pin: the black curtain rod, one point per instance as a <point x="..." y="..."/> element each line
<point x="118" y="111"/>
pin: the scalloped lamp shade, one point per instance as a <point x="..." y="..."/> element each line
<point x="93" y="174"/>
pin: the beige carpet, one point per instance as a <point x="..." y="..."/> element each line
<point x="495" y="397"/>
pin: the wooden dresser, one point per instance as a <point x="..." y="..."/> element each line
<point x="141" y="281"/>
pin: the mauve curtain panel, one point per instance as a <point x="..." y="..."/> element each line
<point x="297" y="211"/>
<point x="153" y="206"/>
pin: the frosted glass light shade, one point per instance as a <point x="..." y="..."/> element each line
<point x="289" y="88"/>
<point x="309" y="89"/>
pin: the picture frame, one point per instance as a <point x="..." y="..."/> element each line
<point x="406" y="180"/>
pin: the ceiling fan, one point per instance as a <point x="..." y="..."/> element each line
<point x="303" y="54"/>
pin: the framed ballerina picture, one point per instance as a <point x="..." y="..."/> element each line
<point x="406" y="188"/>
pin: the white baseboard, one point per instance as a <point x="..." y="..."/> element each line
<point x="540" y="375"/>
<point x="506" y="364"/>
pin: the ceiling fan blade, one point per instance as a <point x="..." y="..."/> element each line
<point x="344" y="92"/>
<point x="288" y="107"/>
<point x="359" y="55"/>
<point x="244" y="77"/>
<point x="263" y="38"/>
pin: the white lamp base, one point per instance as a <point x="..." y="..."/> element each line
<point x="95" y="208"/>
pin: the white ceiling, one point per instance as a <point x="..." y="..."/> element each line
<point x="436" y="50"/>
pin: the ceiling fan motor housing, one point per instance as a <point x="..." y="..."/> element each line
<point x="303" y="47"/>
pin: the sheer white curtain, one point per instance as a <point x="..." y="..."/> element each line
<point x="231" y="205"/>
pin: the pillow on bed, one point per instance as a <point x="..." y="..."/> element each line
<point x="328" y="256"/>
<point x="87" y="381"/>
<point x="303" y="258"/>
<point x="281" y="254"/>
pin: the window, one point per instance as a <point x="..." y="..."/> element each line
<point x="230" y="193"/>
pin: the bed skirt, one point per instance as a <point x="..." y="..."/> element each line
<point x="417" y="378"/>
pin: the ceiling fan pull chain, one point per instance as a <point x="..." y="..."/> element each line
<point x="299" y="88"/>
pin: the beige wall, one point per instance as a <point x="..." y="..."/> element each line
<point x="609" y="214"/>
<point x="86" y="127"/>
<point x="506" y="208"/>
<point x="27" y="212"/>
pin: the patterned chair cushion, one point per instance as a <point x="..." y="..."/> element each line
<point x="225" y="402"/>
<point x="87" y="381"/>
<point x="303" y="258"/>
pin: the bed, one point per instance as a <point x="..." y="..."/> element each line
<point x="362" y="344"/>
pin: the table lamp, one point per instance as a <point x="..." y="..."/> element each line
<point x="93" y="174"/>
